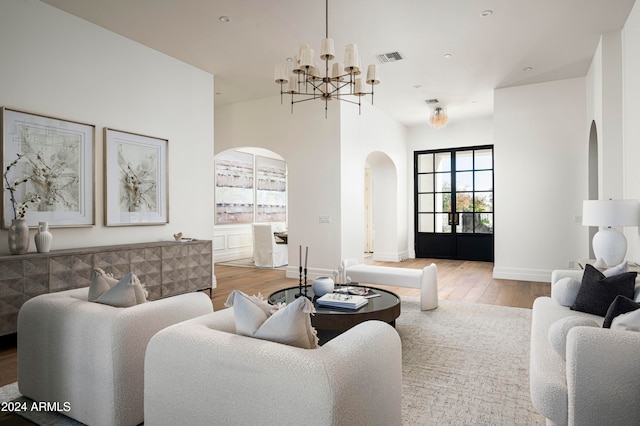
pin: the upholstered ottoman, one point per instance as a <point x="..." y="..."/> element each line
<point x="91" y="355"/>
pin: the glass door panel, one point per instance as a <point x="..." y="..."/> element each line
<point x="425" y="163"/>
<point x="442" y="162"/>
<point x="464" y="160"/>
<point x="425" y="183"/>
<point x="483" y="159"/>
<point x="483" y="180"/>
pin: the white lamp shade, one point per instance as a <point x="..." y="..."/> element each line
<point x="351" y="59"/>
<point x="359" y="89"/>
<point x="326" y="49"/>
<point x="611" y="212"/>
<point x="296" y="65"/>
<point x="293" y="84"/>
<point x="372" y="75"/>
<point x="306" y="56"/>
<point x="336" y="72"/>
<point x="281" y="76"/>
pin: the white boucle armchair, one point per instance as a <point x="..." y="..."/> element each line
<point x="200" y="372"/>
<point x="91" y="355"/>
<point x="599" y="384"/>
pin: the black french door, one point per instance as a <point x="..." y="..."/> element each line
<point x="454" y="215"/>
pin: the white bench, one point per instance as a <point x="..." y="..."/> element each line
<point x="425" y="279"/>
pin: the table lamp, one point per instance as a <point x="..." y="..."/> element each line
<point x="609" y="244"/>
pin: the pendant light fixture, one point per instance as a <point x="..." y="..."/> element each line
<point x="306" y="81"/>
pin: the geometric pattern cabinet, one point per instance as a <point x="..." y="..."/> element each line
<point x="166" y="268"/>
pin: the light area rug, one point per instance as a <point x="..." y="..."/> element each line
<point x="462" y="364"/>
<point x="465" y="364"/>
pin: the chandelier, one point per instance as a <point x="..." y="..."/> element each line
<point x="339" y="81"/>
<point x="438" y="117"/>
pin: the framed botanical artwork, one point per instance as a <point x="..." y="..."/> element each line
<point x="135" y="179"/>
<point x="50" y="162"/>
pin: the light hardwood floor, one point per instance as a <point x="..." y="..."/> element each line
<point x="457" y="280"/>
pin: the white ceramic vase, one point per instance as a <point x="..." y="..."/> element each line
<point x="322" y="286"/>
<point x="43" y="238"/>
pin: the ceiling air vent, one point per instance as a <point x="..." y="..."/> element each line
<point x="390" y="57"/>
<point x="431" y="101"/>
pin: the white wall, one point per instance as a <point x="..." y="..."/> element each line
<point x="310" y="144"/>
<point x="59" y="65"/>
<point x="374" y="132"/>
<point x="604" y="106"/>
<point x="541" y="146"/>
<point x="325" y="160"/>
<point x="631" y="121"/>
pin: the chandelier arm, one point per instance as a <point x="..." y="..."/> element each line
<point x="307" y="99"/>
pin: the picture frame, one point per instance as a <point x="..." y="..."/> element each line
<point x="135" y="179"/>
<point x="234" y="188"/>
<point x="57" y="159"/>
<point x="271" y="189"/>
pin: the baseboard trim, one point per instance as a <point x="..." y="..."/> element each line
<point x="521" y="274"/>
<point x="391" y="257"/>
<point x="312" y="273"/>
<point x="232" y="254"/>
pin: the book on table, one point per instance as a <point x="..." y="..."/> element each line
<point x="367" y="292"/>
<point x="345" y="301"/>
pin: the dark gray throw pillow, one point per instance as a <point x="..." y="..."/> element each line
<point x="598" y="292"/>
<point x="621" y="305"/>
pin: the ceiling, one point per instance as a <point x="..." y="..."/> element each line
<point x="521" y="42"/>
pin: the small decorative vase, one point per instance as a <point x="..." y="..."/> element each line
<point x="322" y="286"/>
<point x="43" y="238"/>
<point x="18" y="237"/>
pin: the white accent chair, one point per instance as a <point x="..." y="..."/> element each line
<point x="598" y="382"/>
<point x="91" y="355"/>
<point x="266" y="252"/>
<point x="200" y="372"/>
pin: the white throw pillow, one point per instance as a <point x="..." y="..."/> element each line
<point x="615" y="270"/>
<point x="290" y="324"/>
<point x="100" y="283"/>
<point x="565" y="290"/>
<point x="127" y="292"/>
<point x="558" y="332"/>
<point x="628" y="322"/>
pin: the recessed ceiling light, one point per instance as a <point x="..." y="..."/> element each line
<point x="224" y="19"/>
<point x="417" y="86"/>
<point x="447" y="55"/>
<point x="487" y="12"/>
<point x="527" y="68"/>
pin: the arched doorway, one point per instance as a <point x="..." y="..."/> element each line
<point x="593" y="178"/>
<point x="381" y="212"/>
<point x="250" y="186"/>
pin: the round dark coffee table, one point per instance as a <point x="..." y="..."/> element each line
<point x="385" y="307"/>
